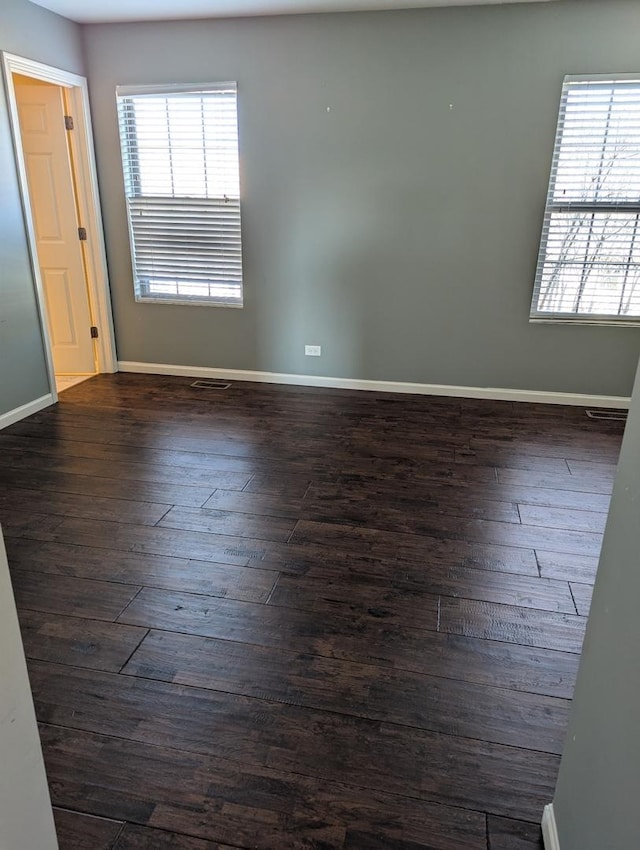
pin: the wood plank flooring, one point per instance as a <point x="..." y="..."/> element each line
<point x="286" y="618"/>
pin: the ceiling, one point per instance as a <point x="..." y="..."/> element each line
<point x="98" y="11"/>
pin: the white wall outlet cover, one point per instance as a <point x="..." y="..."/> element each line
<point x="313" y="350"/>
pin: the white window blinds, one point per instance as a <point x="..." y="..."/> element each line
<point x="589" y="263"/>
<point x="181" y="172"/>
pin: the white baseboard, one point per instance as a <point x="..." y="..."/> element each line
<point x="549" y="829"/>
<point x="25" y="410"/>
<point x="378" y="386"/>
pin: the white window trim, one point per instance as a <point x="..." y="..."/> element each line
<point x="536" y="317"/>
<point x="177" y="300"/>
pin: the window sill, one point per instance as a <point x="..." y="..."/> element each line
<point x="584" y="320"/>
<point x="188" y="302"/>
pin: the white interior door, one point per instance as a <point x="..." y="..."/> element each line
<point x="53" y="206"/>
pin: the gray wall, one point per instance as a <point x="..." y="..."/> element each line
<point x="26" y="819"/>
<point x="29" y="31"/>
<point x="398" y="233"/>
<point x="596" y="800"/>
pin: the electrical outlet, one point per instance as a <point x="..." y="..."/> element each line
<point x="313" y="350"/>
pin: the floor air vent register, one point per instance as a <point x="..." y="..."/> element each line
<point x="210" y="385"/>
<point x="612" y="415"/>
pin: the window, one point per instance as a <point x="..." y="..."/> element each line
<point x="181" y="174"/>
<point x="589" y="263"/>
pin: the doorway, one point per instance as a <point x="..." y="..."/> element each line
<point x="51" y="128"/>
<point x="45" y="124"/>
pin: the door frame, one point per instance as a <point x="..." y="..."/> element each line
<point x="81" y="144"/>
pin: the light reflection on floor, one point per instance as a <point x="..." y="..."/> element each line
<point x="63" y="382"/>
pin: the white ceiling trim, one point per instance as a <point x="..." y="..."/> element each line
<point x="104" y="11"/>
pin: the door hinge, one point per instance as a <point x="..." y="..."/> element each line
<point x="68" y="122"/>
<point x="94" y="332"/>
<point x="82" y="234"/>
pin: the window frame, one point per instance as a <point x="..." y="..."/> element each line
<point x="552" y="206"/>
<point x="129" y="154"/>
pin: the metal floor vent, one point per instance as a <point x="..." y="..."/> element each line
<point x="210" y="385"/>
<point x="611" y="415"/>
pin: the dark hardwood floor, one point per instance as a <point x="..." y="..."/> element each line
<point x="284" y="618"/>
